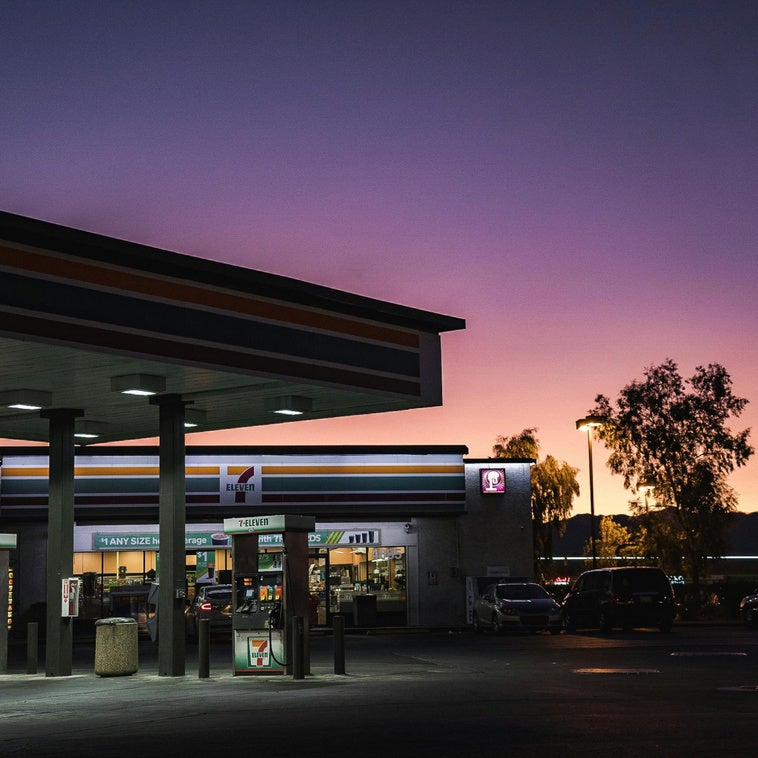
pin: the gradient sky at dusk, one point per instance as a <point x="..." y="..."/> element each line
<point x="577" y="180"/>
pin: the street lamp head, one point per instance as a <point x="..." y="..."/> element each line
<point x="589" y="422"/>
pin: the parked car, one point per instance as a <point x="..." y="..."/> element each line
<point x="516" y="606"/>
<point x="749" y="609"/>
<point x="624" y="596"/>
<point x="212" y="602"/>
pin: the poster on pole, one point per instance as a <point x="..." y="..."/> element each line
<point x="70" y="597"/>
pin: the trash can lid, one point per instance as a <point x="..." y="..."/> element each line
<point x="115" y="620"/>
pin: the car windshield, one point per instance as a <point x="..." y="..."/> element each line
<point x="643" y="580"/>
<point x="219" y="596"/>
<point x="520" y="592"/>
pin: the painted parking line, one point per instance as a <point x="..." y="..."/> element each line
<point x="707" y="654"/>
<point x="616" y="671"/>
<point x="740" y="688"/>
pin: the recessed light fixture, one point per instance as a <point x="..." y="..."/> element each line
<point x="193" y="417"/>
<point x="289" y="405"/>
<point x="26" y="400"/>
<point x="143" y="385"/>
<point x="88" y="430"/>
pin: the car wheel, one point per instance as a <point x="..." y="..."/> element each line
<point x="604" y="623"/>
<point x="475" y="622"/>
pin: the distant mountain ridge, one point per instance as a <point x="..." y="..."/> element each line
<point x="743" y="534"/>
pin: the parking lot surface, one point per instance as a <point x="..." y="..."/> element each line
<point x="688" y="693"/>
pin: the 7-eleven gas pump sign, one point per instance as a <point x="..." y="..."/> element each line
<point x="259" y="653"/>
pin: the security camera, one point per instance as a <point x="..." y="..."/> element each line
<point x="407" y="528"/>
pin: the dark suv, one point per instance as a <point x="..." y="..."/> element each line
<point x="625" y="596"/>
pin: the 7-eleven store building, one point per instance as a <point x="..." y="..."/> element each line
<point x="413" y="526"/>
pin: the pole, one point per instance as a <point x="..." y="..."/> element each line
<point x="338" y="625"/>
<point x="32" y="647"/>
<point x="593" y="526"/>
<point x="298" y="666"/>
<point x="203" y="649"/>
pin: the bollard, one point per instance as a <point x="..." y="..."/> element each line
<point x="297" y="648"/>
<point x="338" y="626"/>
<point x="32" y="650"/>
<point x="306" y="646"/>
<point x="203" y="649"/>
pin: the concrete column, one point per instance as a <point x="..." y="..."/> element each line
<point x="172" y="515"/>
<point x="60" y="539"/>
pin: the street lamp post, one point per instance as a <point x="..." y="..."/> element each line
<point x="647" y="488"/>
<point x="589" y="423"/>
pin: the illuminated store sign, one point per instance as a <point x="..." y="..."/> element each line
<point x="493" y="481"/>
<point x="114" y="541"/>
<point x="10" y="598"/>
<point x="151" y="540"/>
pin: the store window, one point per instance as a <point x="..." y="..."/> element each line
<point x="117" y="583"/>
<point x="338" y="574"/>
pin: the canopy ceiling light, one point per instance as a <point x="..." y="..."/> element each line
<point x="193" y="417"/>
<point x="88" y="430"/>
<point x="144" y="385"/>
<point x="290" y="405"/>
<point x="26" y="400"/>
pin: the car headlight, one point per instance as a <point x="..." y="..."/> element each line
<point x="506" y="609"/>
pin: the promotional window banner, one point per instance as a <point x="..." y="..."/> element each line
<point x="205" y="566"/>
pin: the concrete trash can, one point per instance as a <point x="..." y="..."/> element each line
<point x="364" y="610"/>
<point x="115" y="646"/>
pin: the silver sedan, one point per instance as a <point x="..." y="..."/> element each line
<point x="516" y="606"/>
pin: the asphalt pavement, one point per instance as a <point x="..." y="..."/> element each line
<point x="434" y="692"/>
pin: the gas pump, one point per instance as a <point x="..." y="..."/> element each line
<point x="270" y="588"/>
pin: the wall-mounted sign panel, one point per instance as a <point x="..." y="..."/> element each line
<point x="493" y="481"/>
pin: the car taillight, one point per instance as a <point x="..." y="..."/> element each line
<point x="206" y="606"/>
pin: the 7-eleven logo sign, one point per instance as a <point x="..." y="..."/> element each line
<point x="240" y="484"/>
<point x="258" y="652"/>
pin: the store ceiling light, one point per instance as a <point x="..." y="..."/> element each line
<point x="88" y="430"/>
<point x="26" y="400"/>
<point x="289" y="405"/>
<point x="143" y="385"/>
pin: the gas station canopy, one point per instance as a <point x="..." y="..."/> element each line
<point x="85" y="318"/>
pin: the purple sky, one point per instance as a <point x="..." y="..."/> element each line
<point x="579" y="181"/>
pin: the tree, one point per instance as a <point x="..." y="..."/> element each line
<point x="675" y="432"/>
<point x="553" y="486"/>
<point x="614" y="541"/>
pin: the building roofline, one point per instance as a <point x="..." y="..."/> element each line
<point x="97" y="247"/>
<point x="495" y="461"/>
<point x="117" y="450"/>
